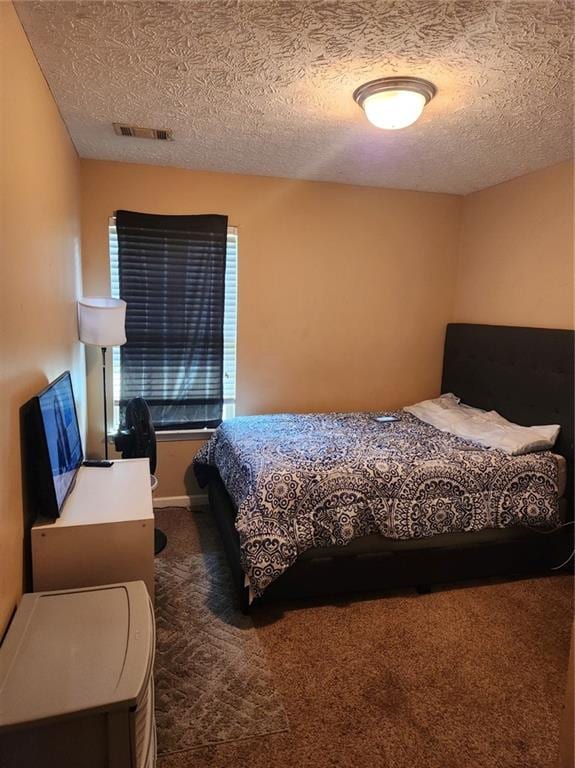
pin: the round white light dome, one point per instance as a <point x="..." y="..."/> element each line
<point x="394" y="102"/>
<point x="394" y="109"/>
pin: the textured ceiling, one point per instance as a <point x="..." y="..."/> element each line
<point x="265" y="86"/>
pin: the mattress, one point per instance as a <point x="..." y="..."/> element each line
<point x="302" y="482"/>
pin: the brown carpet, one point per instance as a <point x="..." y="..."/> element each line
<point x="468" y="677"/>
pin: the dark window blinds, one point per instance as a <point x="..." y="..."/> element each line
<point x="171" y="274"/>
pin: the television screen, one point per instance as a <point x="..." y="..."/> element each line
<point x="61" y="434"/>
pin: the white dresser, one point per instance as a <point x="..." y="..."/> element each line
<point x="76" y="680"/>
<point x="105" y="533"/>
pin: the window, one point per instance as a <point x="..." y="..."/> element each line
<point x="230" y="321"/>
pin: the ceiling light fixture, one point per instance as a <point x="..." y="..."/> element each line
<point x="394" y="102"/>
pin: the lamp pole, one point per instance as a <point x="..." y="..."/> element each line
<point x="105" y="403"/>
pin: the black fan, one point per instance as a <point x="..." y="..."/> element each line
<point x="136" y="439"/>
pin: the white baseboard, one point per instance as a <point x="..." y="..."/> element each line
<point x="189" y="502"/>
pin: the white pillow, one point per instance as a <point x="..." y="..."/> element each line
<point x="487" y="428"/>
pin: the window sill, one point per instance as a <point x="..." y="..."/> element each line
<point x="169" y="435"/>
<point x="174" y="435"/>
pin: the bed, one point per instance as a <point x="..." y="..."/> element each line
<point x="524" y="373"/>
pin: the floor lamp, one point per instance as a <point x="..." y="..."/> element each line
<point x="101" y="323"/>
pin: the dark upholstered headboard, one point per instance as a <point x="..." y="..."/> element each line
<point x="526" y="374"/>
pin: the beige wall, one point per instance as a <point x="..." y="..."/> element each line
<point x="516" y="252"/>
<point x="344" y="292"/>
<point x="39" y="252"/>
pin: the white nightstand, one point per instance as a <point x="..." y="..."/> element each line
<point x="105" y="533"/>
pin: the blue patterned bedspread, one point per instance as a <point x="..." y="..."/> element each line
<point x="317" y="480"/>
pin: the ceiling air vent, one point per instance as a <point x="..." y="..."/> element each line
<point x="121" y="129"/>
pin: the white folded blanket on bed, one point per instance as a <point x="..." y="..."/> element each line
<point x="487" y="428"/>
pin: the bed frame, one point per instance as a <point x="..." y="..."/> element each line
<point x="524" y="373"/>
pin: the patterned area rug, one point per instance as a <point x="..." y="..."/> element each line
<point x="213" y="682"/>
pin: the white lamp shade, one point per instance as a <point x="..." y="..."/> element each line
<point x="102" y="321"/>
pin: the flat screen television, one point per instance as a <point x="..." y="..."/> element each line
<point x="54" y="446"/>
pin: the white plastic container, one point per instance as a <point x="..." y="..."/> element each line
<point x="76" y="680"/>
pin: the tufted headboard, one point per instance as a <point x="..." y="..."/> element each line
<point x="526" y="374"/>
